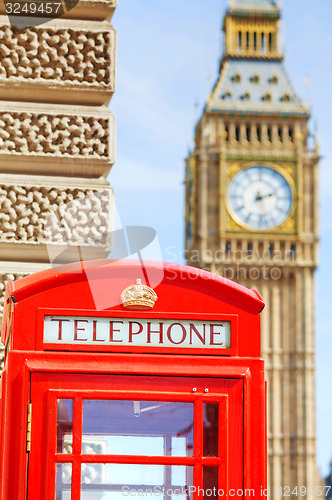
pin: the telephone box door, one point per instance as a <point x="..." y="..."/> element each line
<point x="104" y="437"/>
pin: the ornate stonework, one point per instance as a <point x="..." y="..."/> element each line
<point x="74" y="57"/>
<point x="32" y="134"/>
<point x="57" y="139"/>
<point x="45" y="213"/>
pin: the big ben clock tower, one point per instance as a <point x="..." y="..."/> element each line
<point x="252" y="216"/>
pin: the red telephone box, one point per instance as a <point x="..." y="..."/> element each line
<point x="116" y="386"/>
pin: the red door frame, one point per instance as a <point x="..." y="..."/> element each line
<point x="22" y="364"/>
<point x="224" y="391"/>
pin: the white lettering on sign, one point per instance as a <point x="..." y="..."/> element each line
<point x="137" y="332"/>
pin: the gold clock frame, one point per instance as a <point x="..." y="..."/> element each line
<point x="236" y="226"/>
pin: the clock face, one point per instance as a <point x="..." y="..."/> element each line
<point x="259" y="198"/>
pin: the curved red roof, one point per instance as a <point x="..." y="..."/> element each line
<point x="180" y="275"/>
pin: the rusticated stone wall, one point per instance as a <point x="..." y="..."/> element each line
<point x="45" y="213"/>
<point x="70" y="140"/>
<point x="58" y="135"/>
<point x="57" y="139"/>
<point x="59" y="56"/>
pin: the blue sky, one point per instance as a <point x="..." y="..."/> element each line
<point x="168" y="54"/>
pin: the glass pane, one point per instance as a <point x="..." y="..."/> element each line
<point x="65" y="426"/>
<point x="63" y="482"/>
<point x="152" y="428"/>
<point x="210" y="482"/>
<point x="114" y="481"/>
<point x="210" y="430"/>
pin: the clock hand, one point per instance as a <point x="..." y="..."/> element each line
<point x="260" y="196"/>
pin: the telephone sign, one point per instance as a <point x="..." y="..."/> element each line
<point x="162" y="393"/>
<point x="76" y="331"/>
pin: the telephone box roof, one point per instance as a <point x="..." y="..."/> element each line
<point x="158" y="273"/>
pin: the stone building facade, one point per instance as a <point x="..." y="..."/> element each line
<point x="252" y="216"/>
<point x="57" y="138"/>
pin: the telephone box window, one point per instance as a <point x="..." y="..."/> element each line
<point x="149" y="428"/>
<point x="210" y="429"/>
<point x="210" y="482"/>
<point x="63" y="481"/>
<point x="110" y="481"/>
<point x="65" y="426"/>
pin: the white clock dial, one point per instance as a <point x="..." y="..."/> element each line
<point x="259" y="197"/>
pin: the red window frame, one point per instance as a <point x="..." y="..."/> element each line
<point x="47" y="388"/>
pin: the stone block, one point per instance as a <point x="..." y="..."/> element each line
<point x="45" y="218"/>
<point x="62" y="61"/>
<point x="56" y="140"/>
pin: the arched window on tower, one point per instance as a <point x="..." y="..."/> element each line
<point x="255" y="40"/>
<point x="270" y="42"/>
<point x="248" y="133"/>
<point x="227" y="133"/>
<point x="269" y="134"/>
<point x="259" y="133"/>
<point x="239" y="41"/>
<point x="291" y="134"/>
<point x="263" y="47"/>
<point x="280" y="134"/>
<point x="293" y="252"/>
<point x="237" y="133"/>
<point x="247" y="39"/>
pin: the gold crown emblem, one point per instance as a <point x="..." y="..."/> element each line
<point x="138" y="296"/>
